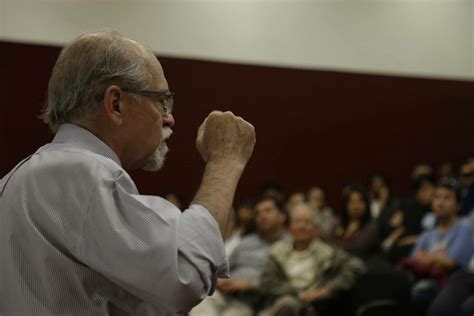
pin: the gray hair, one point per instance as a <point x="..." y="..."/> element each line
<point x="85" y="68"/>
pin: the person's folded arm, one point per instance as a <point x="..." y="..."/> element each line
<point x="441" y="260"/>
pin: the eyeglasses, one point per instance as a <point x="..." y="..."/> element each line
<point x="164" y="98"/>
<point x="448" y="182"/>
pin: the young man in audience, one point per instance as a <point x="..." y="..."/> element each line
<point x="237" y="295"/>
<point x="305" y="274"/>
<point x="443" y="249"/>
<point x="419" y="207"/>
<point x="399" y="230"/>
<point x="295" y="199"/>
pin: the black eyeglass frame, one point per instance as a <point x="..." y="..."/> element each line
<point x="168" y="103"/>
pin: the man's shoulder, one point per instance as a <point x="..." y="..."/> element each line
<point x="67" y="156"/>
<point x="282" y="245"/>
<point x="70" y="166"/>
<point x="250" y="243"/>
<point x="464" y="226"/>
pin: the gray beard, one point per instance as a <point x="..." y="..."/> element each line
<point x="156" y="160"/>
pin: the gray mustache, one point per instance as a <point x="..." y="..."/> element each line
<point x="167" y="131"/>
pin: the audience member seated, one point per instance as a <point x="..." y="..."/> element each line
<point x="420" y="205"/>
<point x="399" y="230"/>
<point x="466" y="179"/>
<point x="316" y="199"/>
<point x="305" y="274"/>
<point x="399" y="233"/>
<point x="457" y="298"/>
<point x="295" y="199"/>
<point x="438" y="252"/>
<point x="380" y="195"/>
<point x="357" y="233"/>
<point x="241" y="223"/>
<point x="237" y="295"/>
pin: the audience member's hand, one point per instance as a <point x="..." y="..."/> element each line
<point x="233" y="285"/>
<point x="441" y="260"/>
<point x="396" y="219"/>
<point x="352" y="228"/>
<point x="314" y="295"/>
<point x="224" y="137"/>
<point x="423" y="257"/>
<point x="408" y="240"/>
<point x="396" y="233"/>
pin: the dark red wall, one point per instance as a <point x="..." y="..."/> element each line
<point x="313" y="127"/>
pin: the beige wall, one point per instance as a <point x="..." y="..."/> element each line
<point x="431" y="38"/>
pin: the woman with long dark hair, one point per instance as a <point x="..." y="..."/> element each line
<point x="357" y="233"/>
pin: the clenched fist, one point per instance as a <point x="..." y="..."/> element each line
<point x="224" y="137"/>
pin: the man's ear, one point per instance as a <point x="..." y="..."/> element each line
<point x="113" y="104"/>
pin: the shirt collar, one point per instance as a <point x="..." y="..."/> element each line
<point x="81" y="137"/>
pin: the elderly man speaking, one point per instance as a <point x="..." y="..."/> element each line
<point x="76" y="237"/>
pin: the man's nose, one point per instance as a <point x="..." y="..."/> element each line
<point x="168" y="120"/>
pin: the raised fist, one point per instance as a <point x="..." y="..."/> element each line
<point x="224" y="137"/>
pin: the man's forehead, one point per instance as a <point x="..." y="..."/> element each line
<point x="302" y="211"/>
<point x="158" y="74"/>
<point x="266" y="204"/>
<point x="445" y="191"/>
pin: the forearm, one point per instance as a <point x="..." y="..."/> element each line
<point x="388" y="242"/>
<point x="217" y="190"/>
<point x="408" y="240"/>
<point x="444" y="261"/>
<point x="423" y="257"/>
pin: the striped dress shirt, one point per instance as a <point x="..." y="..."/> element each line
<point x="76" y="238"/>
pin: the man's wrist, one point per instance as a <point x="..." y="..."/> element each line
<point x="227" y="164"/>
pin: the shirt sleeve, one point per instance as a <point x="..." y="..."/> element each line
<point x="146" y="245"/>
<point x="461" y="250"/>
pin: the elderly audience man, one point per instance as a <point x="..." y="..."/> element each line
<point x="76" y="236"/>
<point x="305" y="274"/>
